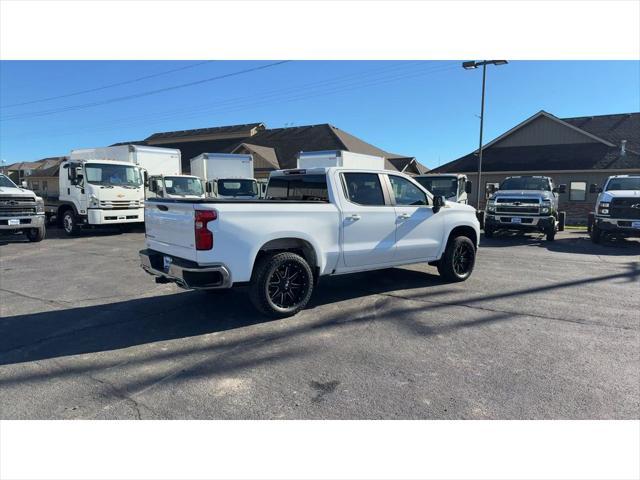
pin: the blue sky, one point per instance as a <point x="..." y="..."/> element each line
<point x="427" y="109"/>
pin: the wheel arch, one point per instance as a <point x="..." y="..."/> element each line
<point x="301" y="246"/>
<point x="466" y="231"/>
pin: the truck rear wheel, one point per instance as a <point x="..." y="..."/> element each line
<point x="458" y="260"/>
<point x="69" y="223"/>
<point x="562" y="219"/>
<point x="282" y="284"/>
<point x="36" y="234"/>
<point x="595" y="234"/>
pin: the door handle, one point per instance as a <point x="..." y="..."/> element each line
<point x="164" y="208"/>
<point x="354" y="217"/>
<point x="404" y="216"/>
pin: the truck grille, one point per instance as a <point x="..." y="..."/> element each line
<point x="120" y="204"/>
<point x="529" y="206"/>
<point x="17" y="206"/>
<point x="625" y="208"/>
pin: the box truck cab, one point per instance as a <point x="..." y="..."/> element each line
<point x="226" y="175"/>
<point x="453" y="186"/>
<point x="95" y="193"/>
<point x="175" y="186"/>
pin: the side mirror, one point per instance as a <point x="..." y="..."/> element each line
<point x="145" y="175"/>
<point x="562" y="188"/>
<point x="438" y="203"/>
<point x="71" y="174"/>
<point x="153" y="186"/>
<point x="207" y="187"/>
<point x="492" y="189"/>
<point x="593" y="188"/>
<point x="468" y="186"/>
<point x="600" y="190"/>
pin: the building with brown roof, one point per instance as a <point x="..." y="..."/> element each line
<point x="273" y="148"/>
<point x="575" y="151"/>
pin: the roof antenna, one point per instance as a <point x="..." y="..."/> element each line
<point x="623" y="147"/>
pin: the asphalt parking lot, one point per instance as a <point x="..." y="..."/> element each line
<point x="542" y="330"/>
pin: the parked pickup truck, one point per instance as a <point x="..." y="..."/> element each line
<point x="617" y="208"/>
<point x="525" y="203"/>
<point x="21" y="210"/>
<point x="314" y="222"/>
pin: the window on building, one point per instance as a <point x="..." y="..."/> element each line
<point x="578" y="191"/>
<point x="364" y="188"/>
<point x="35" y="185"/>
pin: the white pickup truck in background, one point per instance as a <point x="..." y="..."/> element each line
<point x="314" y="222"/>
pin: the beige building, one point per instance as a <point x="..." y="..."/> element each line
<point x="576" y="151"/>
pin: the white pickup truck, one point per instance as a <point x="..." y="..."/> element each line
<point x="313" y="223"/>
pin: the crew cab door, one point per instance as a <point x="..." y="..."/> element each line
<point x="368" y="221"/>
<point x="419" y="231"/>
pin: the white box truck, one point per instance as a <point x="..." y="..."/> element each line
<point x="161" y="168"/>
<point x="94" y="192"/>
<point x="339" y="158"/>
<point x="226" y="175"/>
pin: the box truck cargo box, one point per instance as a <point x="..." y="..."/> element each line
<point x="226" y="175"/>
<point x="154" y="160"/>
<point x="339" y="158"/>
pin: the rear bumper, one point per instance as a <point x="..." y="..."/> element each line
<point x="32" y="221"/>
<point x="624" y="226"/>
<point x="185" y="273"/>
<point x="528" y="223"/>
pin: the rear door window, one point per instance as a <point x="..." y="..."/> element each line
<point x="363" y="188"/>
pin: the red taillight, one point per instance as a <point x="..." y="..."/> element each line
<point x="204" y="237"/>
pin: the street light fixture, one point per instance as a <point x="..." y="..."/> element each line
<point x="471" y="65"/>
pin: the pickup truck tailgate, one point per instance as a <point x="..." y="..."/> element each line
<point x="170" y="228"/>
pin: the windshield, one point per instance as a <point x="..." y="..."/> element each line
<point x="526" y="183"/>
<point x="183" y="186"/>
<point x="113" y="175"/>
<point x="234" y="187"/>
<point x="624" y="183"/>
<point x="6" y="182"/>
<point x="440" y="186"/>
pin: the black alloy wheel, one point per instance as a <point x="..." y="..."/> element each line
<point x="281" y="285"/>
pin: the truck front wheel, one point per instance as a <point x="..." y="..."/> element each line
<point x="458" y="260"/>
<point x="36" y="234"/>
<point x="69" y="223"/>
<point x="282" y="284"/>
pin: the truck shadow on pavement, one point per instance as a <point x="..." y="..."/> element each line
<point x="106" y="327"/>
<point x="569" y="242"/>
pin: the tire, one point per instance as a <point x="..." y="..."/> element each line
<point x="36" y="234"/>
<point x="480" y="216"/>
<point x="450" y="267"/>
<point x="589" y="222"/>
<point x="595" y="234"/>
<point x="488" y="232"/>
<point x="273" y="291"/>
<point x="551" y="233"/>
<point x="562" y="218"/>
<point x="69" y="223"/>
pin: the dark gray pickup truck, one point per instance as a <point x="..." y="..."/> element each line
<point x="525" y="203"/>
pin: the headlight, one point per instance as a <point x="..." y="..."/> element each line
<point x="545" y="210"/>
<point x="603" y="208"/>
<point x="491" y="206"/>
<point x="93" y="200"/>
<point x="39" y="205"/>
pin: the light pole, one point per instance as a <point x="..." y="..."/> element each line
<point x="470" y="66"/>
